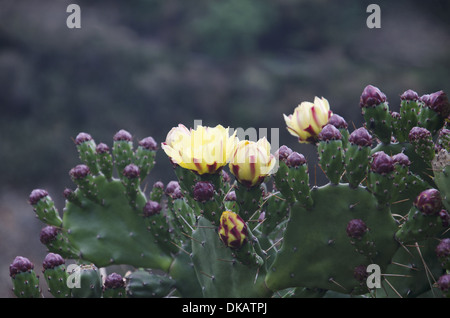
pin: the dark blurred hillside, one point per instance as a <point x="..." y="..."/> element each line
<point x="147" y="65"/>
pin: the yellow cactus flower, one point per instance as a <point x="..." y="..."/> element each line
<point x="232" y="230"/>
<point x="252" y="161"/>
<point x="308" y="120"/>
<point x="202" y="150"/>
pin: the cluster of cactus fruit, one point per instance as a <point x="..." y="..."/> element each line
<point x="210" y="235"/>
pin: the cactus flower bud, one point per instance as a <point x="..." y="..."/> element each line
<point x="122" y="135"/>
<point x="409" y="95"/>
<point x="113" y="281"/>
<point x="225" y="176"/>
<point x="419" y="133"/>
<point x="151" y="208"/>
<point x="360" y="273"/>
<point x="232" y="230"/>
<point x="148" y="143"/>
<point x="371" y="97"/>
<point x="445" y="217"/>
<point x="443" y="248"/>
<point x="329" y="132"/>
<point x="382" y="163"/>
<point x="20" y="265"/>
<point x="52" y="260"/>
<point x="171" y="187"/>
<point x="283" y="152"/>
<point x="252" y="161"/>
<point x="429" y="202"/>
<point x="102" y="148"/>
<point x="36" y="195"/>
<point x="131" y="171"/>
<point x="443" y="283"/>
<point x="401" y="159"/>
<point x="203" y="191"/>
<point x="231" y="196"/>
<point x="79" y="172"/>
<point x="338" y="122"/>
<point x="308" y="120"/>
<point x="356" y="228"/>
<point x="360" y="137"/>
<point x="48" y="234"/>
<point x="295" y="159"/>
<point x="158" y="184"/>
<point x="82" y="137"/>
<point x="438" y="102"/>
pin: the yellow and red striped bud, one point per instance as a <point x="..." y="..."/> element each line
<point x="252" y="161"/>
<point x="232" y="230"/>
<point x="308" y="120"/>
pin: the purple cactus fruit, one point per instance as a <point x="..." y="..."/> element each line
<point x="356" y="228"/>
<point x="52" y="260"/>
<point x="113" y="281"/>
<point x="443" y="282"/>
<point x="330" y="132"/>
<point x="148" y="143"/>
<point x="283" y="153"/>
<point x="82" y="137"/>
<point x="401" y="159"/>
<point x="338" y="121"/>
<point x="371" y="97"/>
<point x="122" y="135"/>
<point x="171" y="187"/>
<point x="203" y="191"/>
<point x="409" y="95"/>
<point x="158" y="185"/>
<point x="360" y="137"/>
<point x="151" y="208"/>
<point x="102" y="148"/>
<point x="382" y="163"/>
<point x="79" y="172"/>
<point x="419" y="133"/>
<point x="225" y="176"/>
<point x="20" y="265"/>
<point x="360" y="273"/>
<point x="48" y="234"/>
<point x="429" y="202"/>
<point x="295" y="159"/>
<point x="443" y="248"/>
<point x="231" y="196"/>
<point x="445" y="217"/>
<point x="131" y="171"/>
<point x="438" y="102"/>
<point x="36" y="195"/>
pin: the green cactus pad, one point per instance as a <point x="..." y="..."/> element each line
<point x="220" y="274"/>
<point x="316" y="251"/>
<point x="144" y="284"/>
<point x="112" y="232"/>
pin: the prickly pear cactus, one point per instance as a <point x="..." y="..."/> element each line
<point x="260" y="229"/>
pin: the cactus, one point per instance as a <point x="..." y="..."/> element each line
<point x="268" y="232"/>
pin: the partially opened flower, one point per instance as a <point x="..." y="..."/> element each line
<point x="252" y="161"/>
<point x="202" y="150"/>
<point x="308" y="120"/>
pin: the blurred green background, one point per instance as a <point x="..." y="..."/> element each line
<point x="147" y="65"/>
